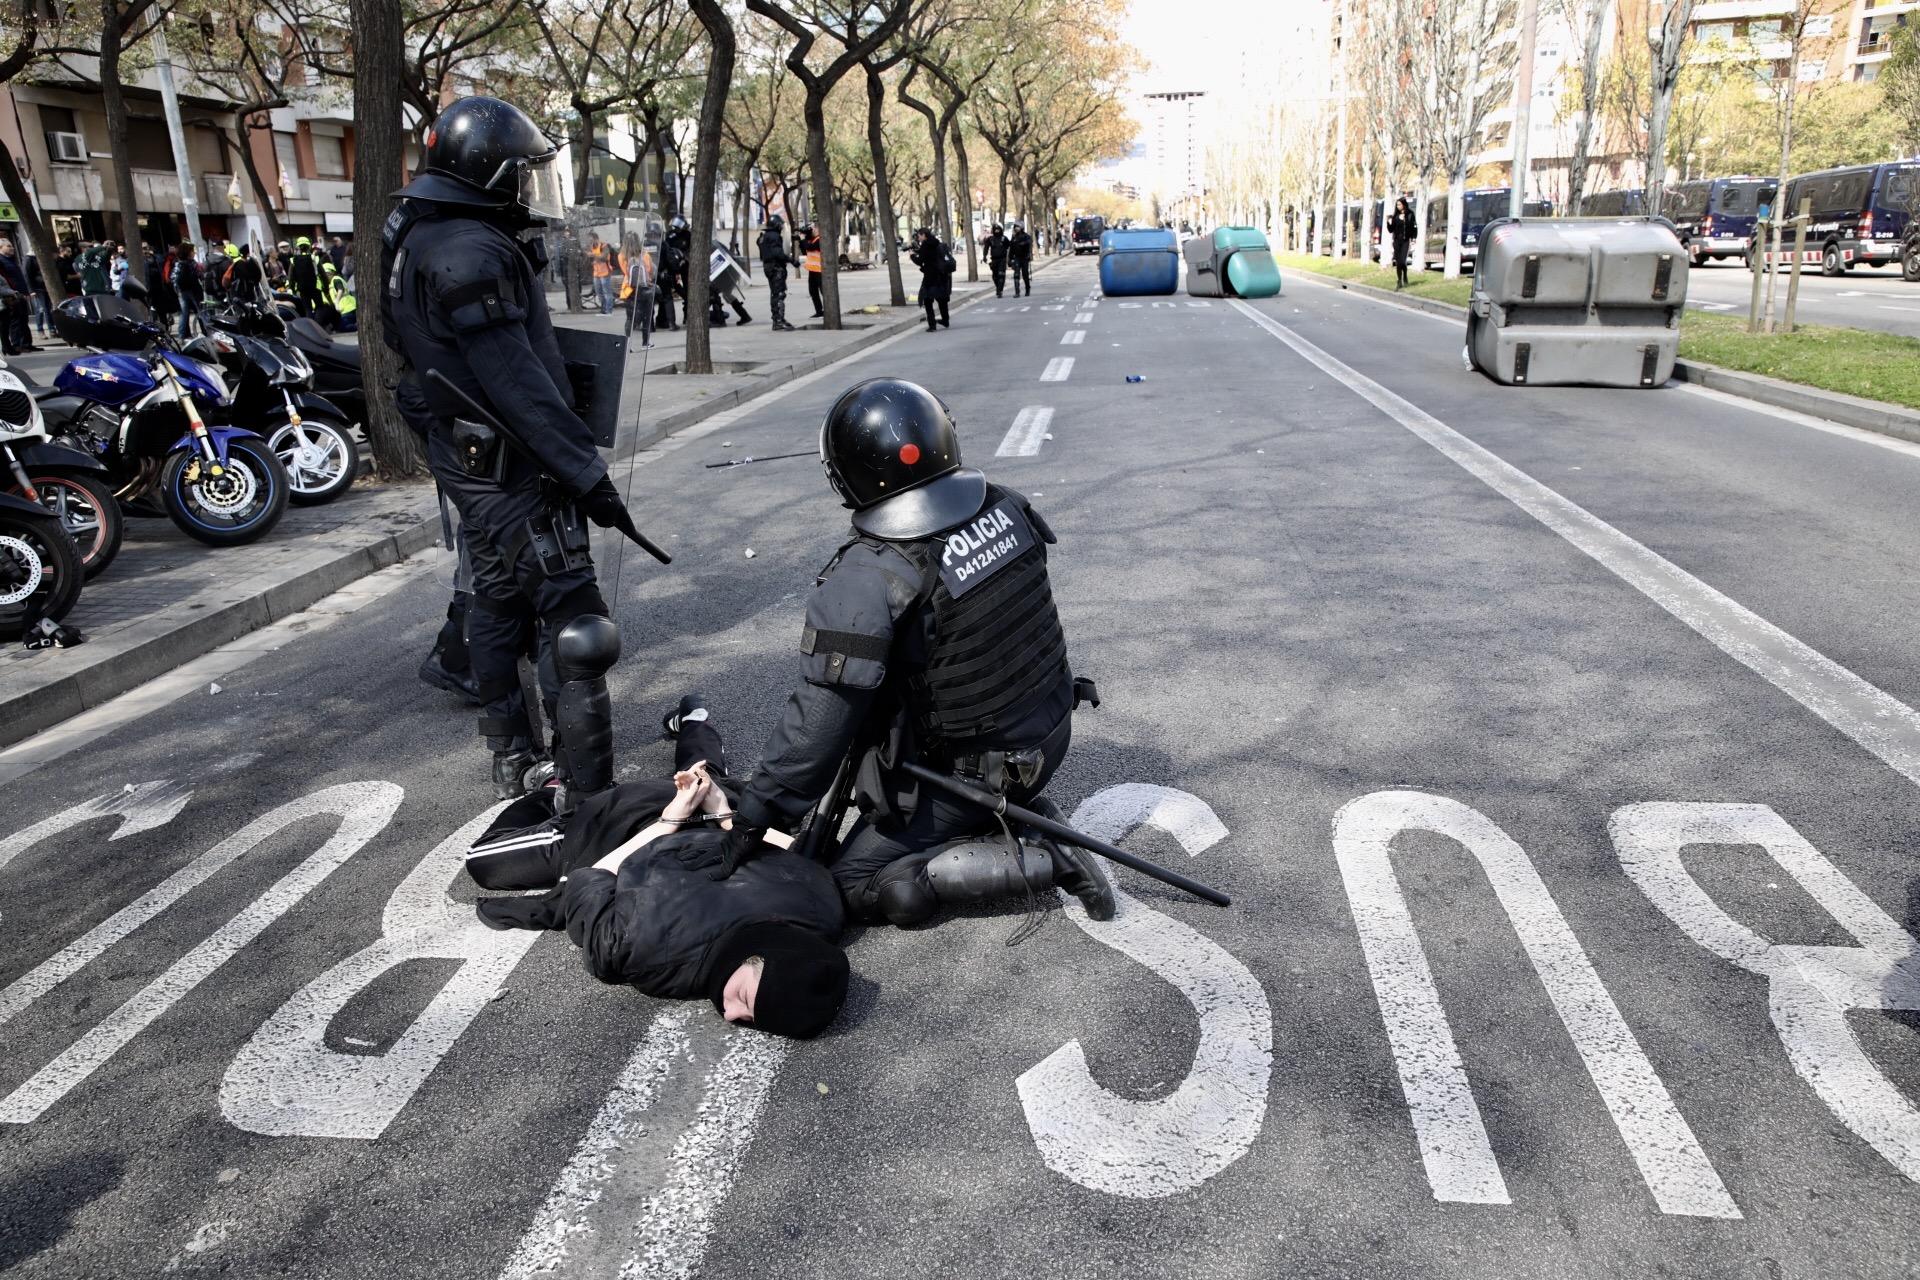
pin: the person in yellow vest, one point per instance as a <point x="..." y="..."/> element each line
<point x="340" y="298"/>
<point x="810" y="254"/>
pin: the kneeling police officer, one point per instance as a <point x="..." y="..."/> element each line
<point x="931" y="637"/>
<point x="462" y="298"/>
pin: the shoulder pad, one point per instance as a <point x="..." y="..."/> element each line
<point x="475" y="276"/>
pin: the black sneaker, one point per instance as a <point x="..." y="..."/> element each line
<point x="670" y="722"/>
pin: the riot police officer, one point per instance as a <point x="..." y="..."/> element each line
<point x="463" y="298"/>
<point x="775" y="262"/>
<point x="673" y="270"/>
<point x="931" y="636"/>
<point x="1020" y="258"/>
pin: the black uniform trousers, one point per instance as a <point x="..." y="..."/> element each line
<point x="663" y="319"/>
<point x="1022" y="276"/>
<point x="516" y="608"/>
<point x="999" y="278"/>
<point x="777" y="293"/>
<point x="876" y="855"/>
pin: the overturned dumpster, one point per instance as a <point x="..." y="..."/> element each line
<point x="1559" y="301"/>
<point x="1233" y="262"/>
<point x="1137" y="264"/>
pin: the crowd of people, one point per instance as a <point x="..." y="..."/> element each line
<point x="178" y="282"/>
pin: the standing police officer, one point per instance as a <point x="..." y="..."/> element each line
<point x="1020" y="255"/>
<point x="775" y="262"/>
<point x="931" y="636"/>
<point x="673" y="270"/>
<point x="996" y="246"/>
<point x="463" y="298"/>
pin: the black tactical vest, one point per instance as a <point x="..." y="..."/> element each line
<point x="997" y="649"/>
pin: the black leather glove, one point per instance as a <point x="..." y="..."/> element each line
<point x="601" y="504"/>
<point x="742" y="843"/>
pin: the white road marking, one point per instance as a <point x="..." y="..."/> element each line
<point x="1453" y="1141"/>
<point x="1059" y="369"/>
<point x="287" y="1082"/>
<point x="1073" y="337"/>
<point x="1890" y="443"/>
<point x="1028" y="430"/>
<point x="1711" y="306"/>
<point x="139" y="808"/>
<point x="1145" y="1150"/>
<point x="671" y="1235"/>
<point x="1810" y="989"/>
<point x="1893" y="308"/>
<point x="1083" y="317"/>
<point x="363" y="808"/>
<point x="1879" y="722"/>
<point x="568" y="1217"/>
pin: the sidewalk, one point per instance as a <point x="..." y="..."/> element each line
<point x="166" y="599"/>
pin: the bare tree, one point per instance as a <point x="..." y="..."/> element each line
<point x="1586" y="24"/>
<point x="1470" y="70"/>
<point x="21" y="50"/>
<point x="860" y="28"/>
<point x="706" y="174"/>
<point x="1802" y="40"/>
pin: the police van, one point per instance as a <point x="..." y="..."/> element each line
<point x="1478" y="207"/>
<point x="1858" y="215"/>
<point x="1087" y="232"/>
<point x="1715" y="216"/>
<point x="1614" y="204"/>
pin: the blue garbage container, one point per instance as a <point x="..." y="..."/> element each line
<point x="1136" y="264"/>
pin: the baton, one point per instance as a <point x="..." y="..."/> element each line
<point x="772" y="457"/>
<point x="624" y="524"/>
<point x="1061" y="831"/>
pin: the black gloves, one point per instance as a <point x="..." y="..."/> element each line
<point x="601" y="504"/>
<point x="742" y="843"/>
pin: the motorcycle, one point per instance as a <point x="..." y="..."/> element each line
<point x="336" y="367"/>
<point x="40" y="574"/>
<point x="272" y="390"/>
<point x="68" y="482"/>
<point x="134" y="403"/>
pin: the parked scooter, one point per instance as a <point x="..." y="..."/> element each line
<point x="336" y="367"/>
<point x="134" y="403"/>
<point x="40" y="573"/>
<point x="70" y="483"/>
<point x="272" y="393"/>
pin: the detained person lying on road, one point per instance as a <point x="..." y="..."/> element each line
<point x="631" y="874"/>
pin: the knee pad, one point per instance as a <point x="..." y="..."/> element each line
<point x="981" y="870"/>
<point x="586" y="647"/>
<point x="906" y="898"/>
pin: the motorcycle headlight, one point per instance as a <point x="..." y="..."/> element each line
<point x="294" y="367"/>
<point x="225" y="345"/>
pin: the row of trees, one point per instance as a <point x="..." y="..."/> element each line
<point x="853" y="111"/>
<point x="1643" y="96"/>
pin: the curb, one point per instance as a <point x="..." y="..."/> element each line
<point x="28" y="713"/>
<point x="1876" y="416"/>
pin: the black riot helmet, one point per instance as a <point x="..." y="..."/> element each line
<point x="892" y="453"/>
<point x="483" y="153"/>
<point x="775" y="221"/>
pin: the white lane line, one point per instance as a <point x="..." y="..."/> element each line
<point x="1879" y="722"/>
<point x="671" y="1235"/>
<point x="1028" y="430"/>
<point x="1083" y="317"/>
<point x="1073" y="337"/>
<point x="1890" y="443"/>
<point x="1059" y="369"/>
<point x="1893" y="308"/>
<point x="363" y="808"/>
<point x="1453" y="1141"/>
<point x="567" y="1216"/>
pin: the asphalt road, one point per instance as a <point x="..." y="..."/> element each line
<point x="1436" y="678"/>
<point x="1863" y="298"/>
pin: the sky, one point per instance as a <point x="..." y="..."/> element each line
<point x="1183" y="38"/>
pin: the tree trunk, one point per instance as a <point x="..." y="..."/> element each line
<point x="882" y="188"/>
<point x="261" y="195"/>
<point x="966" y="202"/>
<point x="743" y="216"/>
<point x="706" y="175"/>
<point x="1366" y="200"/>
<point x="1456" y="214"/>
<point x="377" y="172"/>
<point x="115" y="101"/>
<point x="669" y="196"/>
<point x="583" y="155"/>
<point x="826" y="218"/>
<point x="38" y="237"/>
<point x="1589" y="106"/>
<point x="1001" y="216"/>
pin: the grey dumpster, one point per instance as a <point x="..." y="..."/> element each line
<point x="1577" y="300"/>
<point x="1204" y="278"/>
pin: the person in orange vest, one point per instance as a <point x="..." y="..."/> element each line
<point x="600" y="256"/>
<point x="810" y="253"/>
<point x="636" y="286"/>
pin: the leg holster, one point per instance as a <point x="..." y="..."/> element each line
<point x="584" y="650"/>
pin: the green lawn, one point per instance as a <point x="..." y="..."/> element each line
<point x="1858" y="362"/>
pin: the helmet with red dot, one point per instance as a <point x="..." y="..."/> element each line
<point x="892" y="453"/>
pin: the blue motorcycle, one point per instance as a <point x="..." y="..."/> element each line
<point x="134" y="403"/>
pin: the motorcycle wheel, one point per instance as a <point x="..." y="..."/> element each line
<point x="40" y="574"/>
<point x="241" y="504"/>
<point x="320" y="457"/>
<point x="91" y="514"/>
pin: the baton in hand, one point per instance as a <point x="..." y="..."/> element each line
<point x="624" y="524"/>
<point x="1061" y="831"/>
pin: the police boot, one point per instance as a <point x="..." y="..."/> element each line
<point x="448" y="666"/>
<point x="584" y="650"/>
<point x="519" y="772"/>
<point x="1076" y="870"/>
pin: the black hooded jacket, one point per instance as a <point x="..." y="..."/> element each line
<point x="660" y="922"/>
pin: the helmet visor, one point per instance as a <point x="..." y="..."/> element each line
<point x="540" y="193"/>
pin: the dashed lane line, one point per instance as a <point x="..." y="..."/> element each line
<point x="1083" y="317"/>
<point x="1028" y="430"/>
<point x="1879" y="722"/>
<point x="1059" y="369"/>
<point x="1073" y="337"/>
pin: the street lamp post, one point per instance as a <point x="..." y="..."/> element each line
<point x="177" y="135"/>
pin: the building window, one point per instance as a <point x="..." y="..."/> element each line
<point x="285" y="156"/>
<point x="329" y="161"/>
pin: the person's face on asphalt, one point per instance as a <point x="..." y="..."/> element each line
<point x="737" y="997"/>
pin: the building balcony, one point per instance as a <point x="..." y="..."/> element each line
<point x="75" y="187"/>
